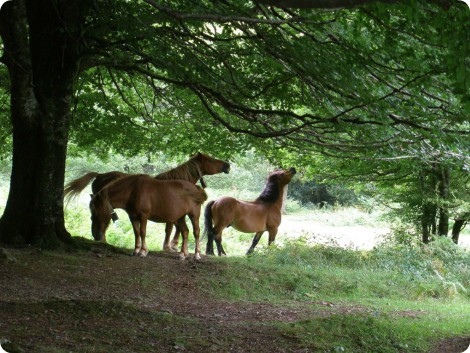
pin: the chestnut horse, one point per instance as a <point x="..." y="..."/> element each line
<point x="192" y="170"/>
<point x="257" y="216"/>
<point x="145" y="198"/>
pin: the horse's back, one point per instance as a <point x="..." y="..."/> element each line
<point x="166" y="200"/>
<point x="167" y="187"/>
<point x="245" y="216"/>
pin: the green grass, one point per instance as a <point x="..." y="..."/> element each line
<point x="409" y="296"/>
<point x="297" y="272"/>
<point x="377" y="333"/>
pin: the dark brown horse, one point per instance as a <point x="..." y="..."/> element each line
<point x="192" y="170"/>
<point x="257" y="216"/>
<point x="144" y="198"/>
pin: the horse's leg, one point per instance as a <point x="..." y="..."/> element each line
<point x="218" y="241"/>
<point x="210" y="245"/>
<point x="166" y="242"/>
<point x="184" y="231"/>
<point x="143" y="231"/>
<point x="135" y="227"/>
<point x="176" y="239"/>
<point x="272" y="235"/>
<point x="196" y="230"/>
<point x="255" y="242"/>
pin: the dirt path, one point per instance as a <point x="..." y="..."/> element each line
<point x="102" y="302"/>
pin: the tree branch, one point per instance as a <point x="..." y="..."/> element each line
<point x="320" y="4"/>
<point x="335" y="4"/>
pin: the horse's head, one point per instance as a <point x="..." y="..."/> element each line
<point x="276" y="181"/>
<point x="101" y="211"/>
<point x="210" y="165"/>
<point x="282" y="177"/>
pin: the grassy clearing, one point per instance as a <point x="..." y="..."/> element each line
<point x="413" y="296"/>
<point x="299" y="272"/>
<point x="330" y="225"/>
<point x="365" y="333"/>
<point x="409" y="296"/>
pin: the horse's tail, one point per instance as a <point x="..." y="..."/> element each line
<point x="198" y="196"/>
<point x="208" y="227"/>
<point x="75" y="187"/>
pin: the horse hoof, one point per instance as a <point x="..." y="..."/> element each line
<point x="181" y="257"/>
<point x="143" y="254"/>
<point x="197" y="257"/>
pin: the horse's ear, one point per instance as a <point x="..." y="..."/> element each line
<point x="198" y="155"/>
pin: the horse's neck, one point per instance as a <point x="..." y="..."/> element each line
<point x="266" y="199"/>
<point x="279" y="201"/>
<point x="195" y="173"/>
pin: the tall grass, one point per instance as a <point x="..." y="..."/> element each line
<point x="297" y="271"/>
<point x="391" y="299"/>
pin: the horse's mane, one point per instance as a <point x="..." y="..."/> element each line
<point x="186" y="171"/>
<point x="271" y="192"/>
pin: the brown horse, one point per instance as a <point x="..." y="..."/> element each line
<point x="144" y="198"/>
<point x="257" y="216"/>
<point x="192" y="170"/>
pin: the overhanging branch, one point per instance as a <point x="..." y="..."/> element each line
<point x="320" y="4"/>
<point x="335" y="4"/>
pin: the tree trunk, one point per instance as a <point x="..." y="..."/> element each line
<point x="428" y="185"/>
<point x="444" y="186"/>
<point x="459" y="225"/>
<point x="41" y="57"/>
<point x="428" y="221"/>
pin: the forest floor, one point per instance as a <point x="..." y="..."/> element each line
<point x="105" y="301"/>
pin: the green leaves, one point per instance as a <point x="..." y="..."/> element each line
<point x="376" y="88"/>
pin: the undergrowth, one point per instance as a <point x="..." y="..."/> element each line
<point x="440" y="270"/>
<point x="410" y="296"/>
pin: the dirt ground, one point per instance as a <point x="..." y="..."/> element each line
<point x="100" y="301"/>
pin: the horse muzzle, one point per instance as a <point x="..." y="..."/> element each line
<point x="226" y="168"/>
<point x="292" y="171"/>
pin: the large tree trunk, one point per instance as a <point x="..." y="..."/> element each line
<point x="41" y="56"/>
